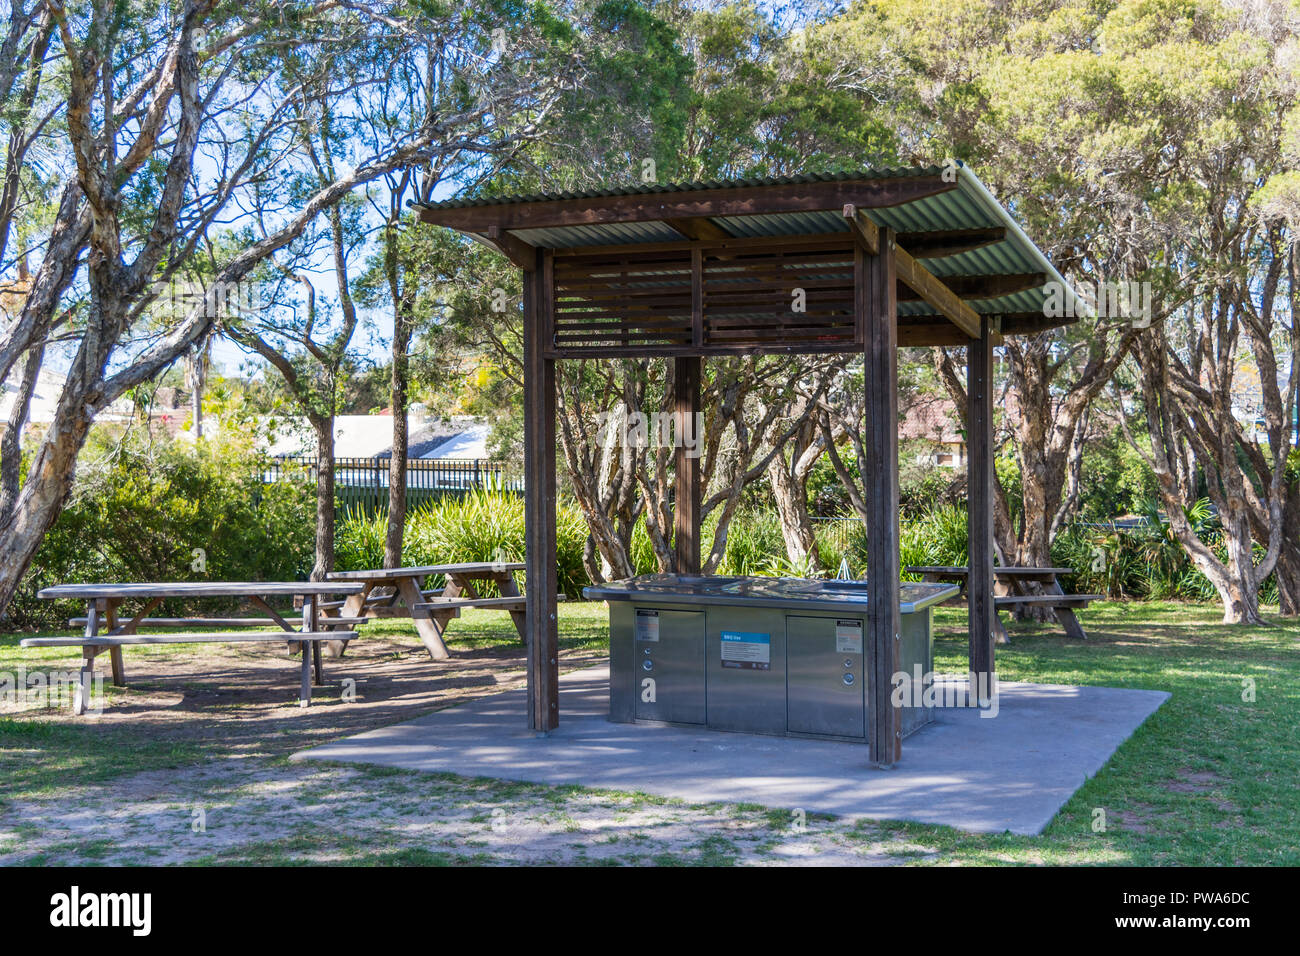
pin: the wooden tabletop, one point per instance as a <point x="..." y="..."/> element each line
<point x="1004" y="571"/>
<point x="196" y="589"/>
<point x="467" y="568"/>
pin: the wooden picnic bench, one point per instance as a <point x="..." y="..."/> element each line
<point x="104" y="600"/>
<point x="392" y="592"/>
<point x="1014" y="586"/>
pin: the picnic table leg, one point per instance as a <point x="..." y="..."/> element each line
<point x="311" y="623"/>
<point x="1000" y="635"/>
<point x="304" y="690"/>
<point x="429" y="628"/>
<point x="510" y="588"/>
<point x="115" y="653"/>
<point x="1069" y="623"/>
<point x="1065" y="615"/>
<point x="86" y="675"/>
<point x="353" y="606"/>
<point x="85" y="681"/>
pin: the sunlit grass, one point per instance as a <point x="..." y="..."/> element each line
<point x="1210" y="778"/>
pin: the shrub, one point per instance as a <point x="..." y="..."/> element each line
<point x="359" y="540"/>
<point x="148" y="509"/>
<point x="483" y="525"/>
<point x="754" y="542"/>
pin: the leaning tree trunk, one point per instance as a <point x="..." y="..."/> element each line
<point x="792" y="507"/>
<point x="324" y="428"/>
<point x="48" y="485"/>
<point x="1287" y="569"/>
<point x="11" y="447"/>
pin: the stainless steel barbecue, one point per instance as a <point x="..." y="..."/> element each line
<point x="763" y="655"/>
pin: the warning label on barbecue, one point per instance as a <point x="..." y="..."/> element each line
<point x="848" y="637"/>
<point x="647" y="625"/>
<point x="747" y="650"/>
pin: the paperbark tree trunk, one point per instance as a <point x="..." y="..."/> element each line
<point x="323" y="426"/>
<point x="791" y="495"/>
<point x="1045" y="415"/>
<point x="403" y="322"/>
<point x="1236" y="580"/>
<point x="11" y="448"/>
<point x="789" y="479"/>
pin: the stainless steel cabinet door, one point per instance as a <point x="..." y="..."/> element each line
<point x="825" y="685"/>
<point x="669" y="665"/>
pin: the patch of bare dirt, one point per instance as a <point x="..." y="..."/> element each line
<point x="244" y="697"/>
<point x="1203" y="783"/>
<point x="242" y="803"/>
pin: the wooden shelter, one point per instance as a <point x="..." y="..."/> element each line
<point x="883" y="258"/>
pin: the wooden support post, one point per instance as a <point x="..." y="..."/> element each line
<point x="876" y="298"/>
<point x="979" y="508"/>
<point x="542" y="583"/>
<point x="686" y="518"/>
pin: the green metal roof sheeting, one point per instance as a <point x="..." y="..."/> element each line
<point x="884" y="172"/>
<point x="969" y="206"/>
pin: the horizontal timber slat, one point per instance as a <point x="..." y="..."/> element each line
<point x="219" y="637"/>
<point x="829" y="240"/>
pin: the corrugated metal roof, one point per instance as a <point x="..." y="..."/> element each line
<point x="614" y="233"/>
<point x="969" y="206"/>
<point x="883" y="172"/>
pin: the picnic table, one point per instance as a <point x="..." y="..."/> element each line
<point x="401" y="592"/>
<point x="104" y="600"/>
<point x="1019" y="586"/>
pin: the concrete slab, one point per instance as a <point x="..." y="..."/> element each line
<point x="1012" y="772"/>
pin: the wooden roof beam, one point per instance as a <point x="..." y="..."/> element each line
<point x="939" y="243"/>
<point x="984" y="286"/>
<point x="932" y="290"/>
<point x="865" y="232"/>
<point x="695" y="229"/>
<point x="931" y="330"/>
<point x="687" y="204"/>
<point x="512" y="247"/>
<point x="1011" y="323"/>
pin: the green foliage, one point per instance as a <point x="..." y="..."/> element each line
<point x="924" y="491"/>
<point x="1113" y="479"/>
<point x="484" y="525"/>
<point x="142" y="509"/>
<point x="359" y="540"/>
<point x="826" y="495"/>
<point x="754" y="543"/>
<point x="935" y="537"/>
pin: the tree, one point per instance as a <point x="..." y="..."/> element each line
<point x="148" y="90"/>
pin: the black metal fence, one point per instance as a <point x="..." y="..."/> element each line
<point x="362" y="483"/>
<point x="840" y="533"/>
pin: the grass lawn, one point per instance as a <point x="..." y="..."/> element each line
<point x="189" y="764"/>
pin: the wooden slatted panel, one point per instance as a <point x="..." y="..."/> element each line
<point x="643" y="300"/>
<point x="634" y="299"/>
<point x="749" y="298"/>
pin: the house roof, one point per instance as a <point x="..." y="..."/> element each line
<point x="935" y="420"/>
<point x="371" y="436"/>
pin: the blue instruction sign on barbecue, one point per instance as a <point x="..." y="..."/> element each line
<point x="747" y="650"/>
